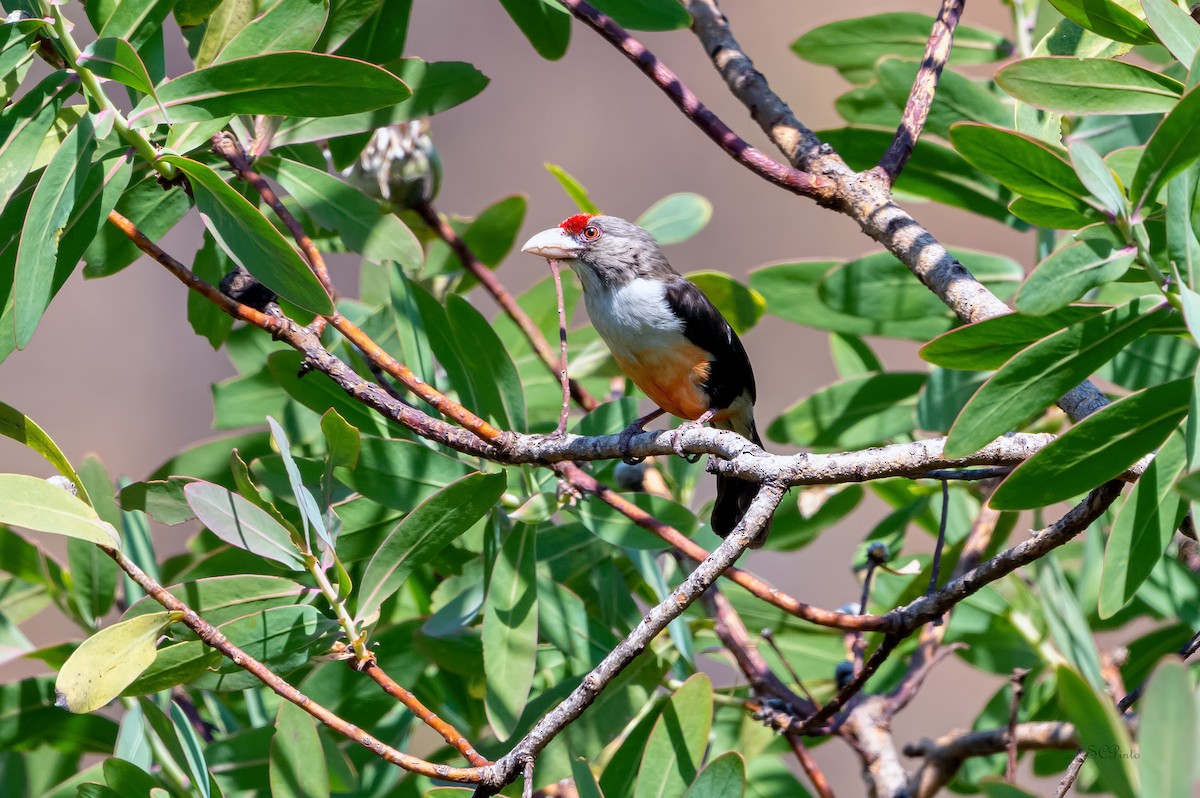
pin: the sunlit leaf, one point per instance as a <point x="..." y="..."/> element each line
<point x="108" y="661"/>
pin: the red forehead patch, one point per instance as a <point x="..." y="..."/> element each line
<point x="574" y="225"/>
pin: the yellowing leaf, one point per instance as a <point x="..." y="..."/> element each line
<point x="108" y="661"/>
<point x="38" y="505"/>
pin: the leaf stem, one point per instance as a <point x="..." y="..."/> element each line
<point x="348" y="624"/>
<point x="95" y="92"/>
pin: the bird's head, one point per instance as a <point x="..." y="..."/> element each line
<point x="611" y="249"/>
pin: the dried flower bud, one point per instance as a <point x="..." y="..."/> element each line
<point x="399" y="165"/>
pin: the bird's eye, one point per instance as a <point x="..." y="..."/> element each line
<point x="591" y="232"/>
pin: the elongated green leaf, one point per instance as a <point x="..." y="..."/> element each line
<point x="239" y="522"/>
<point x="220" y="599"/>
<point x="958" y="99"/>
<point x="43" y="507"/>
<point x="675" y="748"/>
<point x="880" y="286"/>
<point x="1089" y="86"/>
<point x="612" y="527"/>
<point x="297" y="764"/>
<point x="163" y="500"/>
<point x="193" y="752"/>
<point x="1069" y="273"/>
<point x="423" y="533"/>
<point x="1021" y="163"/>
<point x="724" y="777"/>
<point x="852" y="413"/>
<point x="1145" y="525"/>
<point x="676" y="217"/>
<point x="15" y="55"/>
<point x="1167" y="733"/>
<point x="495" y="381"/>
<point x="585" y="779"/>
<point x="791" y="293"/>
<point x="283" y="638"/>
<point x="1174" y="147"/>
<point x="51" y="206"/>
<point x="22" y="429"/>
<point x="253" y="242"/>
<point x="1041" y="373"/>
<point x="742" y="307"/>
<point x="1175" y="29"/>
<point x="24" y="125"/>
<point x="283" y="84"/>
<point x="574" y="188"/>
<point x="108" y="661"/>
<point x="310" y="512"/>
<point x="1107" y="18"/>
<point x="148" y="205"/>
<point x="321" y="395"/>
<point x="1099" y="725"/>
<point x="399" y="473"/>
<point x="136" y="22"/>
<point x="337" y="205"/>
<point x="646" y="14"/>
<point x="1096" y="449"/>
<point x="547" y="26"/>
<point x="986" y="345"/>
<point x="1098" y="177"/>
<point x="436" y="86"/>
<point x="510" y="624"/>
<point x="286" y="25"/>
<point x="116" y="59"/>
<point x="853" y="46"/>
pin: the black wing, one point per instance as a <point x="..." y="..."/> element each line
<point x="729" y="374"/>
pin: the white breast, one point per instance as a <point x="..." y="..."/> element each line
<point x="633" y="317"/>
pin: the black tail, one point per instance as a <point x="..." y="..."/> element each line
<point x="734" y="495"/>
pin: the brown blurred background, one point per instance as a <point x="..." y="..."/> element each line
<point x="115" y="369"/>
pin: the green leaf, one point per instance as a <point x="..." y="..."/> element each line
<point x="1173" y="147"/>
<point x="614" y="527"/>
<point x="1097" y="449"/>
<point x="510" y="624"/>
<point x="946" y="392"/>
<point x="193" y="753"/>
<point x="676" y="745"/>
<point x="742" y="307"/>
<point x="1039" y="374"/>
<point x="342" y="441"/>
<point x="1167" y="733"/>
<point x="1003" y="789"/>
<point x="321" y="394"/>
<point x="585" y="780"/>
<point x="51" y="206"/>
<point x="136" y="22"/>
<point x="108" y="661"/>
<point x="1107" y="18"/>
<point x="653" y="15"/>
<point x="851" y="355"/>
<point x="676" y="217"/>
<point x="253" y="242"/>
<point x="1144" y="527"/>
<point x="152" y="208"/>
<point x="286" y="25"/>
<point x="1176" y="30"/>
<point x="399" y="473"/>
<point x="282" y="638"/>
<point x="22" y="429"/>
<point x="1021" y="163"/>
<point x="423" y="533"/>
<point x="852" y="413"/>
<point x="282" y="84"/>
<point x="1069" y="273"/>
<point x="880" y="286"/>
<point x="381" y="37"/>
<point x="237" y="521"/>
<point x="1099" y="725"/>
<point x="853" y="46"/>
<point x="546" y="25"/>
<point x="573" y="187"/>
<point x="221" y="599"/>
<point x="790" y="290"/>
<point x="207" y="319"/>
<point x="1067" y="623"/>
<point x="497" y="385"/>
<point x="116" y="59"/>
<point x="490" y="235"/>
<point x="297" y="764"/>
<point x="23" y="126"/>
<point x="336" y="205"/>
<point x="1052" y="217"/>
<point x="723" y="777"/>
<point x="163" y="500"/>
<point x="986" y="345"/>
<point x="1098" y="177"/>
<point x="436" y="86"/>
<point x="1089" y="86"/>
<point x="36" y="504"/>
<point x="1152" y="360"/>
<point x="958" y="98"/>
<point x="310" y="513"/>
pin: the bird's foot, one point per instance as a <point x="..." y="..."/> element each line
<point x="677" y="439"/>
<point x="627" y="434"/>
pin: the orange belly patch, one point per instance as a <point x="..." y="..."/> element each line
<point x="671" y="377"/>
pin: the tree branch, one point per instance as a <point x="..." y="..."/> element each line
<point x="920" y="99"/>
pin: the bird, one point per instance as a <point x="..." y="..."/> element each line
<point x="665" y="335"/>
